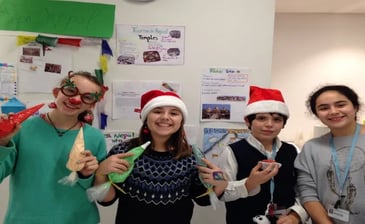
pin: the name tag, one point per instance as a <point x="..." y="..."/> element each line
<point x="339" y="214"/>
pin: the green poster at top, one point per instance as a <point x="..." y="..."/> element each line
<point x="58" y="17"/>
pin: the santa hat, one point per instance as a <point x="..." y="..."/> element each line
<point x="265" y="101"/>
<point x="158" y="98"/>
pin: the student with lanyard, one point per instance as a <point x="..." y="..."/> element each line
<point x="35" y="155"/>
<point x="257" y="188"/>
<point x="331" y="168"/>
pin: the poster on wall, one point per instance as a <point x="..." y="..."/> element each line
<point x="8" y="81"/>
<point x="150" y="45"/>
<point x="215" y="139"/>
<point x="41" y="69"/>
<point x="127" y="96"/>
<point x="224" y="92"/>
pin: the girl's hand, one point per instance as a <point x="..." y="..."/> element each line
<point x="114" y="164"/>
<point x="91" y="163"/>
<point x="213" y="175"/>
<point x="4" y="140"/>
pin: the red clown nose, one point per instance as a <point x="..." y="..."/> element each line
<point x="75" y="101"/>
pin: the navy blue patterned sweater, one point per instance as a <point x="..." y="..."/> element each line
<point x="160" y="189"/>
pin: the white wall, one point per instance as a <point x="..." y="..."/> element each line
<point x="230" y="33"/>
<point x="311" y="50"/>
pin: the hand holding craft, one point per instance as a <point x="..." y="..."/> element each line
<point x="199" y="156"/>
<point x="98" y="192"/>
<point x="75" y="156"/>
<point x="8" y="125"/>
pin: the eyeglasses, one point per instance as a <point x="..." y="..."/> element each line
<point x="87" y="98"/>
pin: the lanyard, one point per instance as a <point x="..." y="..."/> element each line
<point x="342" y="180"/>
<point x="272" y="184"/>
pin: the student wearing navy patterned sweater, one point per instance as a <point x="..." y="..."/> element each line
<point x="164" y="181"/>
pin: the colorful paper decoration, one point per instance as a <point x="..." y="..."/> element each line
<point x="69" y="41"/>
<point x="8" y="125"/>
<point x="105" y="48"/>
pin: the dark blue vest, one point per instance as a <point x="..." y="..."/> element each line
<point x="244" y="209"/>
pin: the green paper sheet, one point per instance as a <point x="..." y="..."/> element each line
<point x="58" y="17"/>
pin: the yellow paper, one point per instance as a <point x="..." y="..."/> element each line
<point x="104" y="63"/>
<point x="25" y="39"/>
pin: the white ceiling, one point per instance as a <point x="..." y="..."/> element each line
<point x="320" y="6"/>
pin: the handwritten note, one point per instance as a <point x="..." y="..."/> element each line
<point x="115" y="137"/>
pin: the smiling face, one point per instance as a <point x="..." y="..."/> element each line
<point x="163" y="122"/>
<point x="266" y="126"/>
<point x="336" y="111"/>
<point x="74" y="105"/>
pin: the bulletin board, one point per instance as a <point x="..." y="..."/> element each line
<point x="221" y="35"/>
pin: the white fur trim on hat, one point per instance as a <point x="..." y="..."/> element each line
<point x="161" y="101"/>
<point x="267" y="106"/>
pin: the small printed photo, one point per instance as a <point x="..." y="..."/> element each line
<point x="126" y="59"/>
<point x="175" y="34"/>
<point x="53" y="68"/>
<point x="151" y="56"/>
<point x="31" y="51"/>
<point x="231" y="98"/>
<point x="26" y="59"/>
<point x="173" y="52"/>
<point x="216" y="111"/>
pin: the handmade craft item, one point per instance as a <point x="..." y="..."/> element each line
<point x="265" y="163"/>
<point x="75" y="156"/>
<point x="98" y="193"/>
<point x="7" y="125"/>
<point x="199" y="155"/>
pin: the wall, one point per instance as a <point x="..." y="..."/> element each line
<point x="231" y="33"/>
<point x="311" y="50"/>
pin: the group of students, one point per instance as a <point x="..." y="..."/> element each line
<point x="323" y="183"/>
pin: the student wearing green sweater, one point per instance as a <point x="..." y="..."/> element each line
<point x="35" y="155"/>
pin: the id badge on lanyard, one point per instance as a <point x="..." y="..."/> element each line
<point x="335" y="211"/>
<point x="339" y="214"/>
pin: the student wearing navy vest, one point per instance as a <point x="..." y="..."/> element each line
<point x="255" y="189"/>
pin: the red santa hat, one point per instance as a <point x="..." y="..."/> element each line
<point x="158" y="98"/>
<point x="265" y="101"/>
